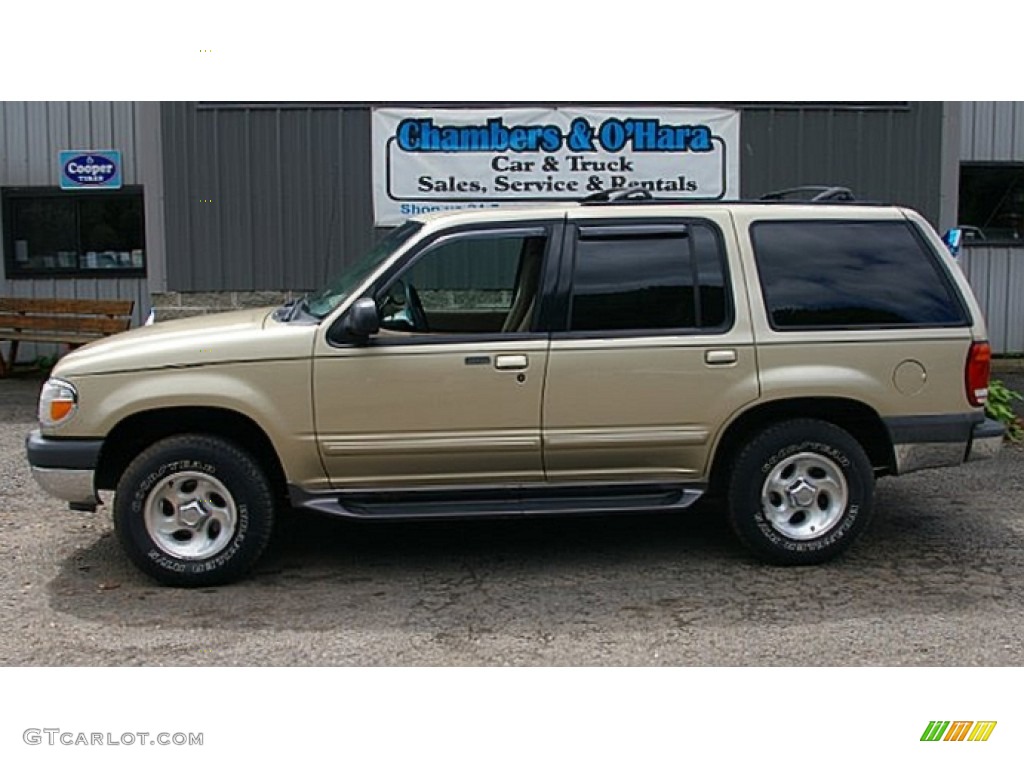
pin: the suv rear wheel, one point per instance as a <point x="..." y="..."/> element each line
<point x="800" y="492"/>
<point x="194" y="510"/>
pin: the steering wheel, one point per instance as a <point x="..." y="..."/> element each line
<point x="417" y="316"/>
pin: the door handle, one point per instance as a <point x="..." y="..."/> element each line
<point x="720" y="356"/>
<point x="511" y="362"/>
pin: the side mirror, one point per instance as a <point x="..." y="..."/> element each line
<point x="362" y="320"/>
<point x="953" y="238"/>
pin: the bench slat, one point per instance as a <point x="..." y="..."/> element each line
<point x="70" y="323"/>
<point x="30" y="337"/>
<point x="67" y="306"/>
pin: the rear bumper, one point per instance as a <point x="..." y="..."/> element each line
<point x="986" y="440"/>
<point x="923" y="442"/>
<point x="65" y="469"/>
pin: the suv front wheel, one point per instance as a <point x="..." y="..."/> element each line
<point x="800" y="492"/>
<point x="194" y="510"/>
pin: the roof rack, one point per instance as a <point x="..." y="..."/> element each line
<point x="806" y="194"/>
<point x="623" y="195"/>
<point x="813" y="194"/>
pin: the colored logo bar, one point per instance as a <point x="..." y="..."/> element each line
<point x="958" y="730"/>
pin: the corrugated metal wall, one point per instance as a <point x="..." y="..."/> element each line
<point x="997" y="279"/>
<point x="891" y="154"/>
<point x="993" y="131"/>
<point x="31" y="135"/>
<point x="288" y="191"/>
<point x="291" y="184"/>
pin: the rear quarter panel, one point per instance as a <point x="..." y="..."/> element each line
<point x="897" y="372"/>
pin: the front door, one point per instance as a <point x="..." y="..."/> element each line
<point x="449" y="392"/>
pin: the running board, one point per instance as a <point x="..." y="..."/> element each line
<point x="512" y="501"/>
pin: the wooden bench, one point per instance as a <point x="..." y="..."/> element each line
<point x="62" y="321"/>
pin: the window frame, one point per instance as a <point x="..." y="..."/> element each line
<point x="638" y="227"/>
<point x="934" y="259"/>
<point x="8" y="196"/>
<point x="551" y="229"/>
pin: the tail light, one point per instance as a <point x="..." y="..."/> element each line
<point x="976" y="373"/>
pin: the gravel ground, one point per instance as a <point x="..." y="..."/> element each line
<point x="935" y="581"/>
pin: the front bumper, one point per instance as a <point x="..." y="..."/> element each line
<point x="65" y="468"/>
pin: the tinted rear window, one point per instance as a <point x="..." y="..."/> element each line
<point x="851" y="274"/>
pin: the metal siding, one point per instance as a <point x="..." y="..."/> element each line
<point x="123" y="120"/>
<point x="1015" y="305"/>
<point x="996" y="275"/>
<point x="1002" y="131"/>
<point x="966" y="128"/>
<point x="1017" y="137"/>
<point x="294" y="164"/>
<point x="264" y="197"/>
<point x="884" y="154"/>
<point x="993" y="131"/>
<point x="358" y="234"/>
<point x="15" y="145"/>
<point x="981" y="146"/>
<point x="80" y="125"/>
<point x="101" y="125"/>
<point x="147" y="154"/>
<point x="58" y="134"/>
<point x="230" y="204"/>
<point x="205" y="251"/>
<point x="283" y="206"/>
<point x="949" y="165"/>
<point x="38" y="145"/>
<point x="31" y="135"/>
<point x="304" y="181"/>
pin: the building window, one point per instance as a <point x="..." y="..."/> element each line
<point x="54" y="233"/>
<point x="992" y="202"/>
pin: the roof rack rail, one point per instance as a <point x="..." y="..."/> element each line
<point x="805" y="194"/>
<point x="813" y="194"/>
<point x="623" y="195"/>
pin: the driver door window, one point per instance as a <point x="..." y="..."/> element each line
<point x="467" y="285"/>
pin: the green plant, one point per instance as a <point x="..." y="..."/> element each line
<point x="44" y="363"/>
<point x="1000" y="408"/>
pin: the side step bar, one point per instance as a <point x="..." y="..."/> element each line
<point x="444" y="504"/>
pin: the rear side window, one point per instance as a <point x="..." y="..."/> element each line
<point x="627" y="279"/>
<point x="839" y="274"/>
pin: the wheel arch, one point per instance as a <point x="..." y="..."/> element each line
<point x="859" y="419"/>
<point x="135" y="433"/>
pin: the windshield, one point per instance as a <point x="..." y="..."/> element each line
<point x="322" y="302"/>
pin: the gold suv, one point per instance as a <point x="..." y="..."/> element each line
<point x="618" y="355"/>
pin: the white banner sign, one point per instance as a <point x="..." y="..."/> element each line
<point x="429" y="160"/>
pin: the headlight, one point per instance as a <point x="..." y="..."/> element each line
<point x="57" y="402"/>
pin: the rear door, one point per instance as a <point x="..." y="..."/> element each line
<point x="654" y="351"/>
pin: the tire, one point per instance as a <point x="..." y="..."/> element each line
<point x="194" y="511"/>
<point x="800" y="492"/>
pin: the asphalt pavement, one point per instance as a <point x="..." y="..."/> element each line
<point x="936" y="580"/>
